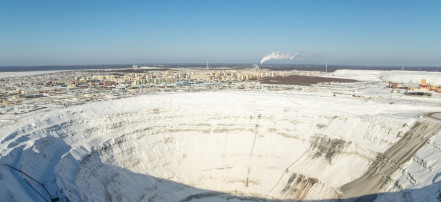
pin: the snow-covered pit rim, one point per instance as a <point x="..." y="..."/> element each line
<point x="268" y="146"/>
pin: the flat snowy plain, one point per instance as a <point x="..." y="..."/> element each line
<point x="321" y="142"/>
<point x="14" y="74"/>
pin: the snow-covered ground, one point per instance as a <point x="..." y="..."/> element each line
<point x="16" y="74"/>
<point x="311" y="144"/>
<point x="410" y="77"/>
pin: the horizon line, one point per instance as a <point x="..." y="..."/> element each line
<point x="217" y="63"/>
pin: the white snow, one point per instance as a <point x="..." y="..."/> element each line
<point x="31" y="73"/>
<point x="410" y="77"/>
<point x="221" y="145"/>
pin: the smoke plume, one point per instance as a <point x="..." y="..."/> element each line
<point x="278" y="55"/>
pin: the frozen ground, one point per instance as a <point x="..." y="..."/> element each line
<point x="15" y="74"/>
<point x="323" y="142"/>
<point x="410" y="77"/>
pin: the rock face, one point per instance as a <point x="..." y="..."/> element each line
<point x="385" y="164"/>
<point x="222" y="146"/>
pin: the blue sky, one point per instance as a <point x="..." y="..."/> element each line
<point x="237" y="31"/>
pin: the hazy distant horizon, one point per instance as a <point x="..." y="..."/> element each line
<point x="275" y="66"/>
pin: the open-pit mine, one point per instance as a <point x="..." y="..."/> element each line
<point x="329" y="141"/>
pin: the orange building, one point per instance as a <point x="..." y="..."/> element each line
<point x="423" y="83"/>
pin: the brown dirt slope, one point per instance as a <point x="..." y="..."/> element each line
<point x="302" y="80"/>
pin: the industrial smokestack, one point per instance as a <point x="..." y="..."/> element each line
<point x="276" y="55"/>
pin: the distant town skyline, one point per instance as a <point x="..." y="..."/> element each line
<point x="398" y="33"/>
